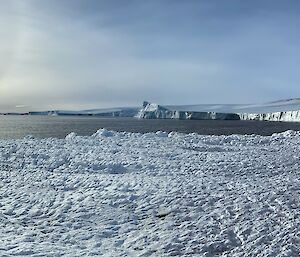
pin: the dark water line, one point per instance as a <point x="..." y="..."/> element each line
<point x="47" y="126"/>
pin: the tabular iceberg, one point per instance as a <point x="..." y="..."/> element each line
<point x="284" y="110"/>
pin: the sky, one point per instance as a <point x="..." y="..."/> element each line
<point x="81" y="54"/>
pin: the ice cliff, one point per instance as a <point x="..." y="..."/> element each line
<point x="155" y="111"/>
<point x="292" y="116"/>
<point x="284" y="110"/>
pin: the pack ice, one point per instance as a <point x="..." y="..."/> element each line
<point x="156" y="194"/>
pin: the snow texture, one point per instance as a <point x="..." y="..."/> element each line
<point x="155" y="194"/>
<point x="284" y="110"/>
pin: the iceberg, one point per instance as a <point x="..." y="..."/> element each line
<point x="283" y="110"/>
<point x="105" y="112"/>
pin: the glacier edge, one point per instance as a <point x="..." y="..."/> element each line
<point x="264" y="112"/>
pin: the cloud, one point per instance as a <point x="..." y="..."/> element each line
<point x="83" y="54"/>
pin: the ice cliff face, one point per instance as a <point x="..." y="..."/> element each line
<point x="286" y="110"/>
<point x="293" y="116"/>
<point x="155" y="111"/>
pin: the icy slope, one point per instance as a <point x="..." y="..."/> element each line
<point x="126" y="194"/>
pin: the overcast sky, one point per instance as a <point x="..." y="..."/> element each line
<point x="79" y="54"/>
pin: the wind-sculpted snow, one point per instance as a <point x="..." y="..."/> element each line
<point x="158" y="194"/>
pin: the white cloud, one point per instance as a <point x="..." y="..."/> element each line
<point x="63" y="60"/>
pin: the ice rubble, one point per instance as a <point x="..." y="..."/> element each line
<point x="285" y="110"/>
<point x="155" y="194"/>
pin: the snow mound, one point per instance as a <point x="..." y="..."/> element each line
<point x="71" y="136"/>
<point x="154" y="194"/>
<point x="103" y="133"/>
<point x="161" y="134"/>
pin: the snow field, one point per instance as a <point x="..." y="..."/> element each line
<point x="155" y="194"/>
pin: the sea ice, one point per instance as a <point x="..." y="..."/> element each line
<point x="154" y="194"/>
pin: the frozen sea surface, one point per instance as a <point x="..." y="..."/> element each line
<point x="153" y="194"/>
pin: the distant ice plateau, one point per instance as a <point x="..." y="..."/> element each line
<point x="104" y="112"/>
<point x="283" y="110"/>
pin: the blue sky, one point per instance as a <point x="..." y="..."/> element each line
<point x="78" y="54"/>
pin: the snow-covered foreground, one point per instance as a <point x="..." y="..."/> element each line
<point x="130" y="194"/>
